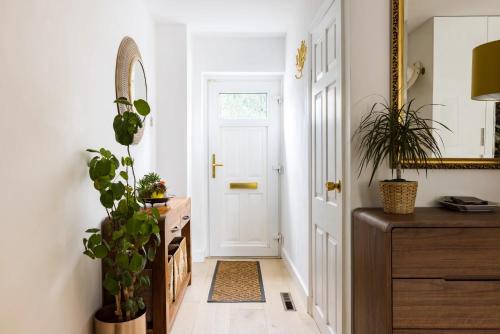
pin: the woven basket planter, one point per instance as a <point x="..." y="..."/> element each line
<point x="398" y="197"/>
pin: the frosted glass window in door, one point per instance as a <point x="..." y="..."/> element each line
<point x="246" y="106"/>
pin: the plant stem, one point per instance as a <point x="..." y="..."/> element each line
<point x="399" y="175"/>
<point x="118" y="311"/>
<point x="132" y="167"/>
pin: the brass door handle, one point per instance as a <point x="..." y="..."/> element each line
<point x="334" y="186"/>
<point x="215" y="165"/>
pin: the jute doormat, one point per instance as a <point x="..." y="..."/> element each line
<point x="237" y="282"/>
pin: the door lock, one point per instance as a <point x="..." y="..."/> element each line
<point x="334" y="186"/>
<point x="215" y="165"/>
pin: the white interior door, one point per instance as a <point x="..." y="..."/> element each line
<point x="326" y="166"/>
<point x="244" y="139"/>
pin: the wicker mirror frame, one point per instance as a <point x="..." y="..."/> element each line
<point x="397" y="85"/>
<point x="128" y="55"/>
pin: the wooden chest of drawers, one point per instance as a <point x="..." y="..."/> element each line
<point x="432" y="272"/>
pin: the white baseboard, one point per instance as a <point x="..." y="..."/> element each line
<point x="303" y="290"/>
<point x="198" y="255"/>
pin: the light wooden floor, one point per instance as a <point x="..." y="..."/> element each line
<point x="196" y="316"/>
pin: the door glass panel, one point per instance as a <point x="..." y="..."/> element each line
<point x="243" y="106"/>
<point x="318" y="145"/>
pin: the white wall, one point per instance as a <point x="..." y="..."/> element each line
<point x="57" y="88"/>
<point x="295" y="181"/>
<point x="172" y="63"/>
<point x="219" y="54"/>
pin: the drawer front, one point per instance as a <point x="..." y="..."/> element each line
<point x="436" y="303"/>
<point x="173" y="219"/>
<point x="442" y="252"/>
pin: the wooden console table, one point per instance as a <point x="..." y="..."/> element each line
<point x="431" y="272"/>
<point x="175" y="220"/>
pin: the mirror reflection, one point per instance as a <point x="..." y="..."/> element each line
<point x="439" y="38"/>
<point x="138" y="86"/>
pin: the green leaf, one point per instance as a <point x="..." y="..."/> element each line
<point x="100" y="251"/>
<point x="93" y="230"/>
<point x="142" y="107"/>
<point x="156" y="213"/>
<point x="122" y="261"/>
<point x="102" y="168"/>
<point x="128" y="161"/>
<point x="89" y="254"/>
<point x="155" y="229"/>
<point x="107" y="199"/>
<point x="118" y="190"/>
<point x="101" y="183"/>
<point x="122" y="100"/>
<point x="140" y="304"/>
<point x="131" y="306"/>
<point x="105" y="153"/>
<point x="133" y="225"/>
<point x="151" y="253"/>
<point x="111" y="285"/>
<point x="136" y="263"/>
<point x="145" y="229"/>
<point x="118" y="234"/>
<point x="94" y="240"/>
<point x="126" y="279"/>
<point x="124" y="175"/>
<point x="91" y="150"/>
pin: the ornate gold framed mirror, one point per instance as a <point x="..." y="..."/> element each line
<point x="130" y="77"/>
<point x="431" y="64"/>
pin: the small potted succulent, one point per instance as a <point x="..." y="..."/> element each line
<point x="129" y="236"/>
<point x="400" y="135"/>
<point x="151" y="186"/>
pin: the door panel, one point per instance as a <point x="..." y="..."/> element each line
<point x="318" y="146"/>
<point x="326" y="167"/>
<point x="244" y="137"/>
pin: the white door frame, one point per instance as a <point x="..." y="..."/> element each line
<point x="207" y="77"/>
<point x="346" y="160"/>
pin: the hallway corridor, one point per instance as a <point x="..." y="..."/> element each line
<point x="196" y="316"/>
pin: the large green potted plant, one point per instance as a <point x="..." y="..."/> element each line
<point x="130" y="236"/>
<point x="399" y="135"/>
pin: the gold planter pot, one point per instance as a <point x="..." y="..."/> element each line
<point x="136" y="326"/>
<point x="398" y="197"/>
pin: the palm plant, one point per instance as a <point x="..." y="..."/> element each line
<point x="399" y="134"/>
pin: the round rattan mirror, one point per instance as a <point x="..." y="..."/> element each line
<point x="130" y="79"/>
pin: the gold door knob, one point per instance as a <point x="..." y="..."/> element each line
<point x="215" y="165"/>
<point x="334" y="186"/>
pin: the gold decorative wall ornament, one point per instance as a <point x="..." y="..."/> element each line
<point x="301" y="59"/>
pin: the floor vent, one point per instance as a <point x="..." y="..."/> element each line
<point x="288" y="304"/>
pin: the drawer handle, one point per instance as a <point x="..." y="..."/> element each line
<point x="471" y="278"/>
<point x="175" y="229"/>
<point x="186" y="218"/>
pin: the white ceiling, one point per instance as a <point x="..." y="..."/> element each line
<point x="419" y="11"/>
<point x="235" y="16"/>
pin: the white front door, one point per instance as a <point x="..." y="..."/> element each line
<point x="327" y="172"/>
<point x="244" y="150"/>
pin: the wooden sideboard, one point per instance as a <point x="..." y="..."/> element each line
<point x="431" y="272"/>
<point x="174" y="221"/>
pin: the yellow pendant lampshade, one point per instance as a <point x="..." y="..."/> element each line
<point x="486" y="72"/>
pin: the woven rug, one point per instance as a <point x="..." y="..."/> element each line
<point x="237" y="282"/>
